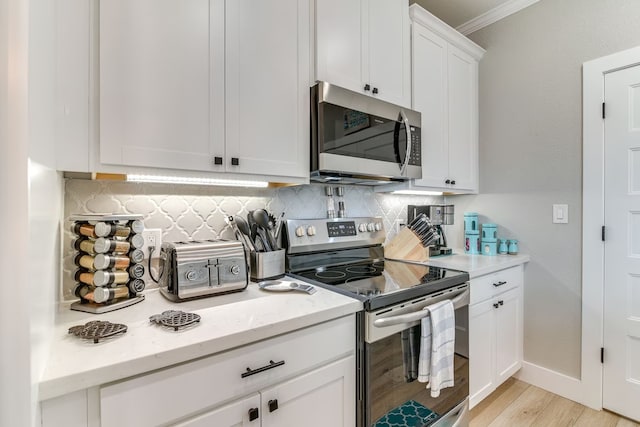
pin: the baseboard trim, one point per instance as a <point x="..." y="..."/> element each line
<point x="555" y="382"/>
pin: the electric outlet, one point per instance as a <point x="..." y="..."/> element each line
<point x="399" y="224"/>
<point x="152" y="237"/>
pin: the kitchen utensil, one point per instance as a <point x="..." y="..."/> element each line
<point x="278" y="226"/>
<point x="276" y="285"/>
<point x="257" y="238"/>
<point x="261" y="217"/>
<point x="246" y="232"/>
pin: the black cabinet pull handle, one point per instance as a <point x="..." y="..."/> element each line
<point x="273" y="405"/>
<point x="501" y="302"/>
<point x="375" y="90"/>
<point x="271" y="365"/>
<point x="235" y="161"/>
<point x="367" y="88"/>
<point x="453" y="182"/>
<point x="496" y="305"/>
<point x="217" y="160"/>
<point x="448" y="181"/>
<point x="253" y="414"/>
<point x="499" y="284"/>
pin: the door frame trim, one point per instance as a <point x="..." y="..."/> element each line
<point x="593" y="73"/>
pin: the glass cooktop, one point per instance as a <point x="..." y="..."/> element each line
<point x="384" y="282"/>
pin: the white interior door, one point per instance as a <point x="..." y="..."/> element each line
<point x="621" y="381"/>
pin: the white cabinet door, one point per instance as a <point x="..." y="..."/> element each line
<point x="463" y="120"/>
<point x="364" y="46"/>
<point x="430" y="94"/>
<point x="508" y="331"/>
<point x="481" y="351"/>
<point x="161" y="83"/>
<point x="389" y="50"/>
<point x="340" y="28"/>
<point x="267" y="87"/>
<point x="321" y="398"/>
<point x="241" y="413"/>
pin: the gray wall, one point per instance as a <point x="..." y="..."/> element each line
<point x="531" y="153"/>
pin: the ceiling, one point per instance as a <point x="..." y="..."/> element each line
<point x="458" y="12"/>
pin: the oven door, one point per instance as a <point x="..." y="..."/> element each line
<point x="392" y="392"/>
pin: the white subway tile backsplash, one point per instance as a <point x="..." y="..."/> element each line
<point x="197" y="212"/>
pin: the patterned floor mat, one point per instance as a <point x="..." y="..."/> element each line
<point x="409" y="414"/>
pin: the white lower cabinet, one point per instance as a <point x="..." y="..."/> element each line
<point x="303" y="378"/>
<point x="495" y="331"/>
<point x="292" y="403"/>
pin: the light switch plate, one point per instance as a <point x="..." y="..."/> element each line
<point x="560" y="214"/>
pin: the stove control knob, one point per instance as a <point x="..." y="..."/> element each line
<point x="235" y="270"/>
<point x="311" y="231"/>
<point x="192" y="275"/>
<point x="300" y="231"/>
<point x="378" y="226"/>
<point x="370" y="227"/>
<point x="362" y="227"/>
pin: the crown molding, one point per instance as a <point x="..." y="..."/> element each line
<point x="494" y="15"/>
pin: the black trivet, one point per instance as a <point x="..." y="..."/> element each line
<point x="97" y="330"/>
<point x="175" y="319"/>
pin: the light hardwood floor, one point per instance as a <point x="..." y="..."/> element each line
<point x="518" y="404"/>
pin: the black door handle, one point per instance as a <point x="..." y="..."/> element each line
<point x="448" y="181"/>
<point x="499" y="284"/>
<point x="453" y="182"/>
<point x="253" y="414"/>
<point x="235" y="161"/>
<point x="501" y="302"/>
<point x="273" y="405"/>
<point x="367" y="87"/>
<point x="496" y="305"/>
<point x="217" y="160"/>
<point x="375" y="90"/>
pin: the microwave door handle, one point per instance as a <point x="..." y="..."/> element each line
<point x="407" y="129"/>
<point x="460" y="300"/>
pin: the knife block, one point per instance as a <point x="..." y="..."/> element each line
<point x="406" y="246"/>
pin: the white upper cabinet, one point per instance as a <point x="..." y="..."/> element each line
<point x="364" y="46"/>
<point x="445" y="92"/>
<point x="159" y="84"/>
<point x="267" y="86"/>
<point x="214" y="86"/>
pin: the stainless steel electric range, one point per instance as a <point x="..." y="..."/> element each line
<point x="346" y="255"/>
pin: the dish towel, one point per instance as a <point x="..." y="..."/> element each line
<point x="437" y="347"/>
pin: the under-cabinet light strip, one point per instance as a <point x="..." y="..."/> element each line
<point x="418" y="192"/>
<point x="195" y="181"/>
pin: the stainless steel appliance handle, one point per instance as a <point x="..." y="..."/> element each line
<point x="461" y="416"/>
<point x="459" y="301"/>
<point x="407" y="129"/>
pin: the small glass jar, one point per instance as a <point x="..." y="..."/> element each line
<point x="513" y="247"/>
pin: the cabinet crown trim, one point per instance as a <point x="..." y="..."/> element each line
<point x="420" y="16"/>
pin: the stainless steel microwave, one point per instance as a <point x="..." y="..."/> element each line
<point x="359" y="139"/>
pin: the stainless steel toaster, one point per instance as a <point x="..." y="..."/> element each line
<point x="202" y="268"/>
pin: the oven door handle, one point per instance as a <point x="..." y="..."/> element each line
<point x="460" y="300"/>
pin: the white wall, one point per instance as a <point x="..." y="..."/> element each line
<point x="531" y="153"/>
<point x="45" y="188"/>
<point x="15" y="404"/>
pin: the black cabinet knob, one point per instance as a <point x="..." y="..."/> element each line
<point x="375" y="90"/>
<point x="448" y="181"/>
<point x="273" y="405"/>
<point x="217" y="160"/>
<point x="253" y="414"/>
<point x="453" y="182"/>
<point x="235" y="161"/>
<point x="496" y="305"/>
<point x="501" y="302"/>
<point x="367" y="87"/>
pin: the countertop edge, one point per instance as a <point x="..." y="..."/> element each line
<point x="56" y="387"/>
<point x="478" y="265"/>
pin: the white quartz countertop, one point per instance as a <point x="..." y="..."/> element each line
<point x="228" y="321"/>
<point x="477" y="265"/>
